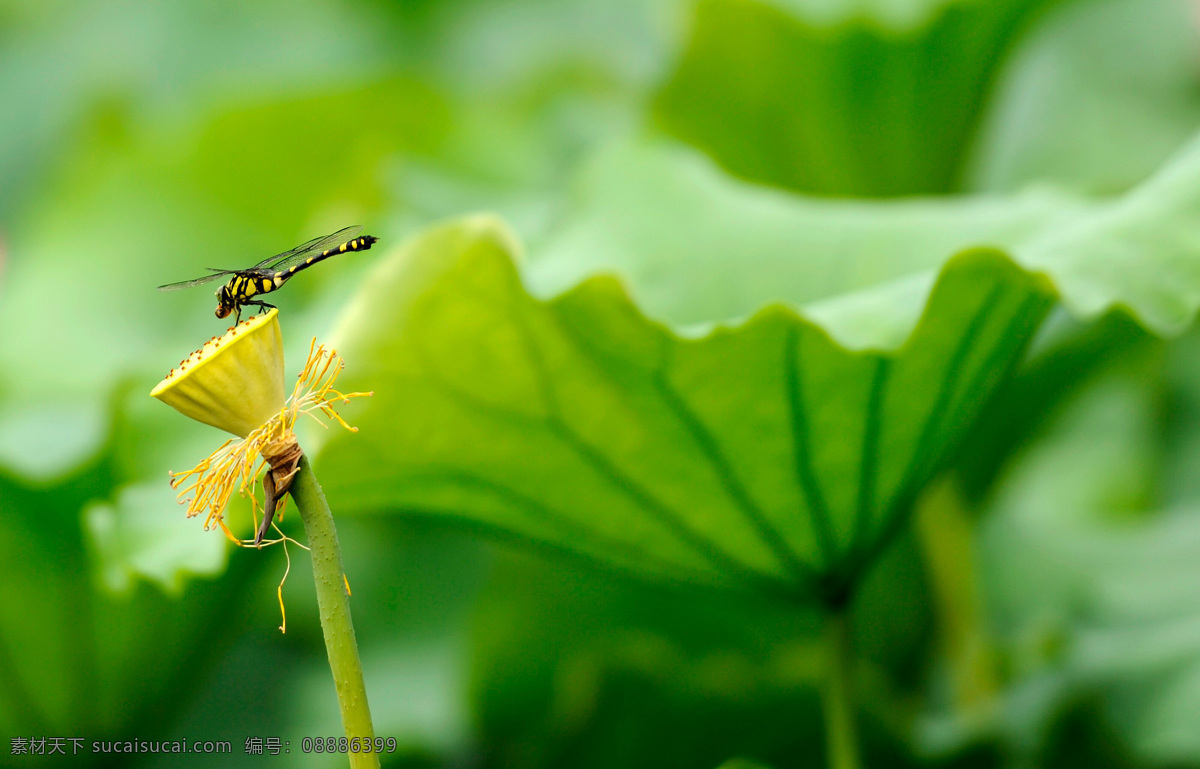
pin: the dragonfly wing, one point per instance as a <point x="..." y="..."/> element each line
<point x="316" y="245"/>
<point x="267" y="267"/>
<point x="197" y="282"/>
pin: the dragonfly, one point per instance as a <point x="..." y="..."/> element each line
<point x="270" y="274"/>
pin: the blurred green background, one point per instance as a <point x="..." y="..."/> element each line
<point x="718" y="157"/>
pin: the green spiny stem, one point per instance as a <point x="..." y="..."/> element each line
<point x="837" y="700"/>
<point x="334" y="604"/>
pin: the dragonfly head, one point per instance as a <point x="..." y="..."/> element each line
<point x="225" y="304"/>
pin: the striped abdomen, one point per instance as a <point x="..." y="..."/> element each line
<point x="247" y="284"/>
<point x="358" y="244"/>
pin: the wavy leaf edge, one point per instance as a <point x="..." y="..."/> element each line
<point x="846" y="553"/>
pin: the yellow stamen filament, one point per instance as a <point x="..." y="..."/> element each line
<point x="238" y="463"/>
<point x="279" y="592"/>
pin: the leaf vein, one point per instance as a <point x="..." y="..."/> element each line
<point x="801" y="450"/>
<point x="869" y="452"/>
<point x="671" y="519"/>
<point x="704" y="440"/>
<point x="913" y="482"/>
<point x="568" y="527"/>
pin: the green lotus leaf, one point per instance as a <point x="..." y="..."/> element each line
<point x="762" y="449"/>
<point x="762" y="456"/>
<point x="696" y="246"/>
<point x="866" y="99"/>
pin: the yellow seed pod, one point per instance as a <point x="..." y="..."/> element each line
<point x="233" y="382"/>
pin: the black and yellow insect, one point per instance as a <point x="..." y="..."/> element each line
<point x="270" y="274"/>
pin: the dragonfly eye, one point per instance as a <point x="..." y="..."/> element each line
<point x="224" y="306"/>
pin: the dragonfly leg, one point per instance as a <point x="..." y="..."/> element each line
<point x="260" y="305"/>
